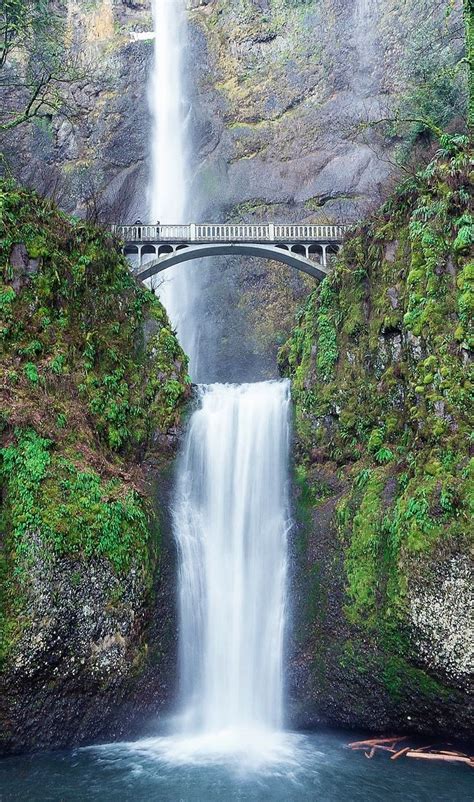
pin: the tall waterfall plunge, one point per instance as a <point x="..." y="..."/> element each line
<point x="169" y="152"/>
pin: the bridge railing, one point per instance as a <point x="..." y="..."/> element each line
<point x="230" y="232"/>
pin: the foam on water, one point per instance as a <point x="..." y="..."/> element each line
<point x="238" y="750"/>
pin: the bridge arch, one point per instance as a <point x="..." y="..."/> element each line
<point x="279" y="253"/>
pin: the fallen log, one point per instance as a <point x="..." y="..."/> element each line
<point x="433" y="756"/>
<point x="400" y="753"/>
<point x="376" y="741"/>
<point x="376" y="746"/>
<point x="384" y="748"/>
<point x="424" y="748"/>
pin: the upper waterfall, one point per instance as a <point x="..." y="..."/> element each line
<point x="168" y="188"/>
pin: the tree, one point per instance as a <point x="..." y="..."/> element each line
<point x="38" y="73"/>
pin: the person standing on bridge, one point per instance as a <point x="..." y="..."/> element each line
<point x="158" y="226"/>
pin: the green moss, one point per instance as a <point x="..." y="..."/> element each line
<point x="398" y="676"/>
<point x="352" y="657"/>
<point x="363" y="552"/>
<point x="53" y="506"/>
<point x="87" y="393"/>
<point x="389" y="408"/>
<point x="31" y="373"/>
<point x="328" y="351"/>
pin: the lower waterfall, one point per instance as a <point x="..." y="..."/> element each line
<point x="231" y="519"/>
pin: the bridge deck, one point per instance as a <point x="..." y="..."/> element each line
<point x="223" y="232"/>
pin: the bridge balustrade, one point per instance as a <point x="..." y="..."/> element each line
<point x="307" y="247"/>
<point x="231" y="232"/>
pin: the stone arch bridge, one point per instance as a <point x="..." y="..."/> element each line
<point x="308" y="248"/>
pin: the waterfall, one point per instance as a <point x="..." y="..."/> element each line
<point x="231" y="520"/>
<point x="366" y="75"/>
<point x="169" y="152"/>
<point x="231" y="510"/>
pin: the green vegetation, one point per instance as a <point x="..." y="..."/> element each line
<point x="79" y="322"/>
<point x="84" y="393"/>
<point x="68" y="511"/>
<point x="468" y="13"/>
<point x="382" y="391"/>
<point x="35" y="65"/>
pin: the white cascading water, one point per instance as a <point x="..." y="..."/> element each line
<point x="169" y="153"/>
<point x="231" y="520"/>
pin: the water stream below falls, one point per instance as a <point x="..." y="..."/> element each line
<point x="314" y="767"/>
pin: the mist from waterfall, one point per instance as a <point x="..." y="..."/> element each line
<point x="168" y="188"/>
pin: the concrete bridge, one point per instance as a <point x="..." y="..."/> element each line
<point x="308" y="248"/>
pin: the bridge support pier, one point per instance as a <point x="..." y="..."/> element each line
<point x="324" y="257"/>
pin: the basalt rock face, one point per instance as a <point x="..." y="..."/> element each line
<point x="93" y="383"/>
<point x="383" y="575"/>
<point x="95" y="164"/>
<point x="293" y="79"/>
<point x="282" y="89"/>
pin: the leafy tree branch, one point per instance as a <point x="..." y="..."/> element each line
<point x="37" y="71"/>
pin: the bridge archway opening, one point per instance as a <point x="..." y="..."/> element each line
<point x="299" y="249"/>
<point x="147" y="249"/>
<point x="333" y="250"/>
<point x="316" y="251"/>
<point x="169" y="257"/>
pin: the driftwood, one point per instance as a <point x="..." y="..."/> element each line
<point x="376" y="742"/>
<point x="400" y="753"/>
<point x="385" y="748"/>
<point x="372" y="745"/>
<point x="375" y="746"/>
<point x="452" y="758"/>
<point x="423" y="748"/>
